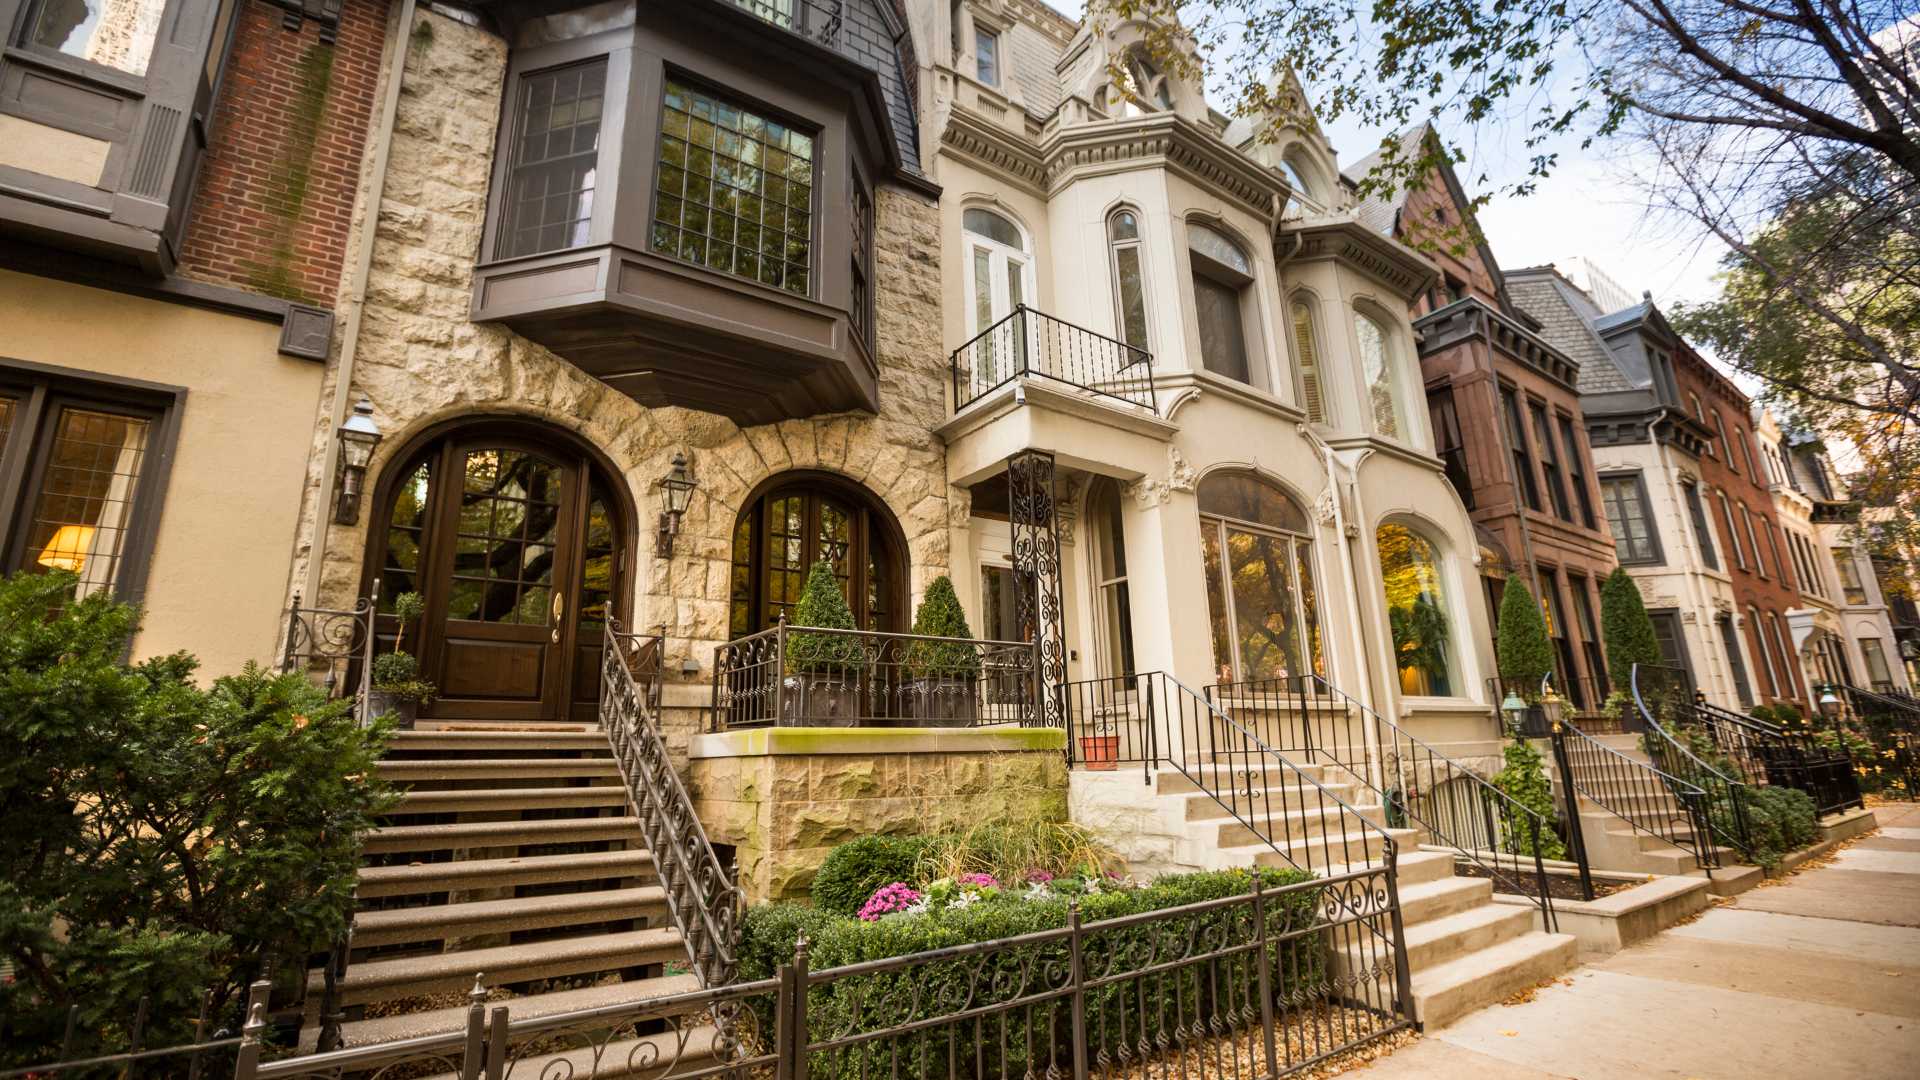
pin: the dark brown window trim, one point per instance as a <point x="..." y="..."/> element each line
<point x="165" y="403"/>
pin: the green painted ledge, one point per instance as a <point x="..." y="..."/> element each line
<point x="773" y="741"/>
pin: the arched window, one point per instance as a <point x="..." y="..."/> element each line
<point x="1262" y="595"/>
<point x="999" y="280"/>
<point x="1416" y="610"/>
<point x="1377" y="367"/>
<point x="1110" y="577"/>
<point x="1222" y="274"/>
<point x="799" y="520"/>
<point x="1306" y="351"/>
<point x="1141" y="88"/>
<point x="1129" y="284"/>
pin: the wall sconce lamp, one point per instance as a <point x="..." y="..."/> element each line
<point x="357" y="438"/>
<point x="676" y="491"/>
<point x="1829" y="703"/>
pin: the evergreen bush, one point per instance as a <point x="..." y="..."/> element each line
<point x="1627" y="629"/>
<point x="159" y="838"/>
<point x="823" y="605"/>
<point x="853" y="870"/>
<point x="1523" y="779"/>
<point x="940" y="615"/>
<point x="1524" y="652"/>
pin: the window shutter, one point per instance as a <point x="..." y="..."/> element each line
<point x="1310" y="398"/>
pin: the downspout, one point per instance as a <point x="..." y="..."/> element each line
<point x="356" y="295"/>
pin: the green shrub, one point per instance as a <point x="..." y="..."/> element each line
<point x="158" y="838"/>
<point x="1524" y="780"/>
<point x="852" y="871"/>
<point x="1779" y="820"/>
<point x="1525" y="655"/>
<point x="822" y="604"/>
<point x="940" y="615"/>
<point x="1153" y="1009"/>
<point x="1627" y="629"/>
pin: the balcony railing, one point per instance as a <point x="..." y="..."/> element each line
<point x="802" y="676"/>
<point x="1029" y="344"/>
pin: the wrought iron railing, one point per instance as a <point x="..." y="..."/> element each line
<point x="1029" y="344"/>
<point x="1890" y="722"/>
<point x="1584" y="696"/>
<point x="1266" y="983"/>
<point x="1306" y="717"/>
<point x="800" y="676"/>
<point x="211" y="1053"/>
<point x="334" y="647"/>
<point x="1665" y="696"/>
<point x="1652" y="802"/>
<point x="821" y="20"/>
<point x="1768" y="754"/>
<point x="701" y="896"/>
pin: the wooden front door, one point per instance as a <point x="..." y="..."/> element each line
<point x="512" y="546"/>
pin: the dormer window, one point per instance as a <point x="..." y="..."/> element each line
<point x="986" y="56"/>
<point x="1142" y="88"/>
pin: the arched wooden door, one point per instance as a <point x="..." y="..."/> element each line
<point x="513" y="544"/>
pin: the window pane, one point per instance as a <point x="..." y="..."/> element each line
<point x="1310" y="607"/>
<point x="734" y="191"/>
<point x="1309" y="358"/>
<point x="1377" y="368"/>
<point x="406" y="535"/>
<point x="115" y="33"/>
<point x="1698" y="512"/>
<point x="1133" y="297"/>
<point x="1223" y="345"/>
<point x="549" y="204"/>
<point x="1264" y="623"/>
<point x="1627" y="516"/>
<point x="507" y="537"/>
<point x="1416" y="609"/>
<point x="1123" y="226"/>
<point x="986" y="51"/>
<point x="1216" y="246"/>
<point x="1250" y="499"/>
<point x="992" y="226"/>
<point x="1216" y="601"/>
<point x="84" y="507"/>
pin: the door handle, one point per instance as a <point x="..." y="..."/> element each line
<point x="559" y="610"/>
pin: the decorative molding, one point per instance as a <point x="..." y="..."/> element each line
<point x="1180" y="476"/>
<point x="1395" y="265"/>
<point x="996" y="148"/>
<point x="1323" y="506"/>
<point x="1148" y="493"/>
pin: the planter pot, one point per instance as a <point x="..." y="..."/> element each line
<point x="1101" y="752"/>
<point x="944" y="701"/>
<point x="819" y="701"/>
<point x="403" y="709"/>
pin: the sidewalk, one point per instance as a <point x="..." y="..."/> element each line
<point x="1817" y="977"/>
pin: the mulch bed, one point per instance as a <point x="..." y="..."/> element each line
<point x="1559" y="886"/>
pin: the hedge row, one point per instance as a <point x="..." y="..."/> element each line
<point x="1209" y="994"/>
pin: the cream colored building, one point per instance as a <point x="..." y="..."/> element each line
<point x="1187" y="316"/>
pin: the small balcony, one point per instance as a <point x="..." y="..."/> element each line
<point x="1028" y="344"/>
<point x="803" y="676"/>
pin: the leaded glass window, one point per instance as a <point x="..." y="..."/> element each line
<point x="556" y="152"/>
<point x="734" y="191"/>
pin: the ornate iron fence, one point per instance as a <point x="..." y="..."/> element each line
<point x="211" y="1053"/>
<point x="1308" y="717"/>
<point x="334" y="647"/>
<point x="1030" y="344"/>
<point x="705" y="903"/>
<point x="1653" y="802"/>
<point x="800" y="676"/>
<point x="1258" y="985"/>
<point x="1767" y="754"/>
<point x="1661" y="693"/>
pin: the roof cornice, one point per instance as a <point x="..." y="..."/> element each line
<point x="1401" y="268"/>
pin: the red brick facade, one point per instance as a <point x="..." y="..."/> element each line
<point x="277" y="188"/>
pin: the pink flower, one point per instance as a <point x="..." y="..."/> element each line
<point x="888" y="899"/>
<point x="984" y="881"/>
<point x="1037" y="876"/>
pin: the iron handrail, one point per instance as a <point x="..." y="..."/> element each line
<point x="1675" y="758"/>
<point x="1038" y="344"/>
<point x="701" y="895"/>
<point x="1626" y="789"/>
<point x="1415" y="766"/>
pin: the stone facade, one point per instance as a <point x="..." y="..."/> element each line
<point x="784" y="797"/>
<point x="421" y="360"/>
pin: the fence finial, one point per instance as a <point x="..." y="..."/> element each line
<point x="478" y="995"/>
<point x="800" y="947"/>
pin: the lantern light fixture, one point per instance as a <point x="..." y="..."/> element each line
<point x="357" y="439"/>
<point x="676" y="494"/>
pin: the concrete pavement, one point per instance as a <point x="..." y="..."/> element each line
<point x="1816" y="977"/>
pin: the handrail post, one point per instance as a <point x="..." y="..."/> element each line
<point x="1402" y="973"/>
<point x="1264" y="964"/>
<point x="779" y="670"/>
<point x="790" y="1016"/>
<point x="247" y="1062"/>
<point x="473" y="1056"/>
<point x="1076" y="958"/>
<point x="1576" y="832"/>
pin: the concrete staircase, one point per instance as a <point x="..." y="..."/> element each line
<point x="1613" y="843"/>
<point x="513" y="859"/>
<point x="1464" y="951"/>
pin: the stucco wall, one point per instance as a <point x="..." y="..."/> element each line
<point x="218" y="576"/>
<point x="784" y="797"/>
<point x="422" y="361"/>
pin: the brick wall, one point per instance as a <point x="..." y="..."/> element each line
<point x="277" y="188"/>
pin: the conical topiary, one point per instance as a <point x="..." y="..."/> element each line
<point x="1525" y="654"/>
<point x="823" y="605"/>
<point x="940" y="615"/>
<point x="1627" y="629"/>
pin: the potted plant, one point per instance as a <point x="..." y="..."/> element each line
<point x="822" y="671"/>
<point x="1100" y="744"/>
<point x="398" y="690"/>
<point x="1525" y="655"/>
<point x="945" y="691"/>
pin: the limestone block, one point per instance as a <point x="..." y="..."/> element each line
<point x="838" y="777"/>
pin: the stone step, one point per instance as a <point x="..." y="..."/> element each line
<point x="1438" y="941"/>
<point x="1203" y="807"/>
<point x="417" y="770"/>
<point x="1289" y="824"/>
<point x="445" y="801"/>
<point x="674" y="1052"/>
<point x="1418" y="867"/>
<point x="492" y="834"/>
<point x="504" y="739"/>
<point x="442" y="922"/>
<point x="1447" y="991"/>
<point x="436" y="1021"/>
<point x="1431" y="900"/>
<point x="452" y="972"/>
<point x="467" y="874"/>
<point x="1321" y="854"/>
<point x="1259" y="774"/>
